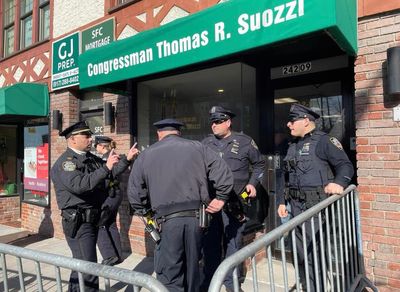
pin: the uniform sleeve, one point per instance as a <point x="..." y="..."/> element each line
<point x="137" y="189"/>
<point x="121" y="166"/>
<point x="331" y="150"/>
<point x="77" y="182"/>
<point x="219" y="174"/>
<point x="257" y="163"/>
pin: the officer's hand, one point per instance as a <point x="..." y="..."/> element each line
<point x="215" y="206"/>
<point x="333" y="188"/>
<point x="112" y="159"/>
<point x="251" y="190"/>
<point x="133" y="152"/>
<point x="282" y="212"/>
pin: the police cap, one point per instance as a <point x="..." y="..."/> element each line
<point x="218" y="113"/>
<point x="102" y="140"/>
<point x="77" y="128"/>
<point x="298" y="111"/>
<point x="168" y="125"/>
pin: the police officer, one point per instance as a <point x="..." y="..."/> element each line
<point x="171" y="179"/>
<point x="240" y="153"/>
<point x="317" y="167"/>
<point x="79" y="181"/>
<point x="109" y="241"/>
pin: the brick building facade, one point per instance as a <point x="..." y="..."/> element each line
<point x="377" y="135"/>
<point x="378" y="143"/>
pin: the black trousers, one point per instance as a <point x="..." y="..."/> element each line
<point x="83" y="246"/>
<point x="222" y="239"/>
<point x="109" y="240"/>
<point x="298" y="207"/>
<point x="176" y="258"/>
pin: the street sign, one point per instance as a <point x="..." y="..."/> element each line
<point x="65" y="69"/>
<point x="97" y="36"/>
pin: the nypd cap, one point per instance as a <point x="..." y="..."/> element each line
<point x="298" y="111"/>
<point x="168" y="125"/>
<point x="219" y="113"/>
<point x="77" y="128"/>
<point x="102" y="140"/>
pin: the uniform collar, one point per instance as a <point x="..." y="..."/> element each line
<point x="78" y="151"/>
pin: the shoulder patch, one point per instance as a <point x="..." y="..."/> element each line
<point x="68" y="166"/>
<point x="336" y="142"/>
<point x="254" y="144"/>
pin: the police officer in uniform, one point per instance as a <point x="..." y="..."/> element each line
<point x="171" y="179"/>
<point x="317" y="167"/>
<point x="240" y="153"/>
<point x="109" y="241"/>
<point x="79" y="181"/>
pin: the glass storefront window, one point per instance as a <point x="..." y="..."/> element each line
<point x="8" y="160"/>
<point x="189" y="97"/>
<point x="36" y="165"/>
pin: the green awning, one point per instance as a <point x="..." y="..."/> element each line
<point x="231" y="27"/>
<point x="24" y="99"/>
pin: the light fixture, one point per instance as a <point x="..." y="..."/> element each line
<point x="285" y="100"/>
<point x="108" y="114"/>
<point x="57" y="120"/>
<point x="220" y="90"/>
<point x="393" y="70"/>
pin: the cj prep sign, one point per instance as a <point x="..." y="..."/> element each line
<point x="65" y="69"/>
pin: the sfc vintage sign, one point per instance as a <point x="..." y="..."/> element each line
<point x="65" y="69"/>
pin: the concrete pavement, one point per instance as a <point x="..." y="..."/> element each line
<point x="132" y="262"/>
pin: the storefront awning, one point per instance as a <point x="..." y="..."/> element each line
<point x="24" y="99"/>
<point x="231" y="27"/>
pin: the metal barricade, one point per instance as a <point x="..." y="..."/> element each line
<point x="58" y="262"/>
<point x="334" y="228"/>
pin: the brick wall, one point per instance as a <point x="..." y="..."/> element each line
<point x="378" y="151"/>
<point x="9" y="209"/>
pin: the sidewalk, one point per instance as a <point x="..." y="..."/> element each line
<point x="132" y="262"/>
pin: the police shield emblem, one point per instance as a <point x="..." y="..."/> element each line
<point x="68" y="166"/>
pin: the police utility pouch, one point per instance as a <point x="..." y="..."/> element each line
<point x="204" y="217"/>
<point x="71" y="221"/>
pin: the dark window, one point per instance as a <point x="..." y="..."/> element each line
<point x="44" y="19"/>
<point x="8" y="26"/>
<point x="32" y="27"/>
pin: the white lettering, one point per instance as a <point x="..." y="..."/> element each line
<point x="279" y="12"/>
<point x="219" y="31"/>
<point x="275" y="15"/>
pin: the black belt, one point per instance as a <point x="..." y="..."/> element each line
<point x="88" y="215"/>
<point x="188" y="213"/>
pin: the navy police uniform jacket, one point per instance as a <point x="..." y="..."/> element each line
<point x="79" y="180"/>
<point x="240" y="153"/>
<point x="173" y="175"/>
<point x="314" y="161"/>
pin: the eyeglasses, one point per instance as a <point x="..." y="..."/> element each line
<point x="218" y="122"/>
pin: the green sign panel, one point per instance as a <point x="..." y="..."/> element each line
<point x="98" y="36"/>
<point x="227" y="28"/>
<point x="65" y="69"/>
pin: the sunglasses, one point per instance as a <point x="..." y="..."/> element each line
<point x="218" y="122"/>
<point x="296" y="119"/>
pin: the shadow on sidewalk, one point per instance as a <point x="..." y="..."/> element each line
<point x="30" y="239"/>
<point x="146" y="266"/>
<point x="30" y="282"/>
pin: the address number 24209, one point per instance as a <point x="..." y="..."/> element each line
<point x="296" y="68"/>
